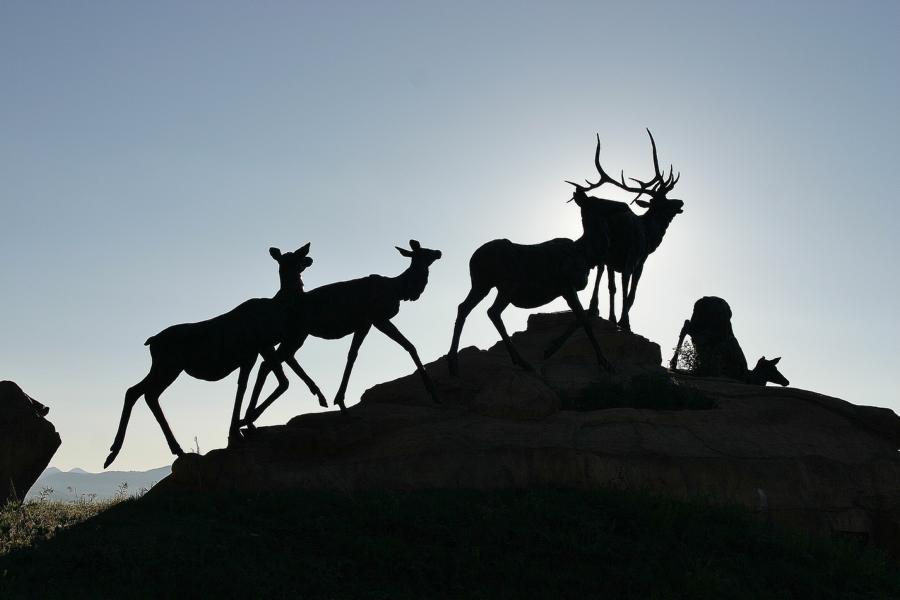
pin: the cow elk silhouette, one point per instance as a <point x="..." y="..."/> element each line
<point x="718" y="352"/>
<point x="213" y="349"/>
<point x="336" y="310"/>
<point x="529" y="276"/>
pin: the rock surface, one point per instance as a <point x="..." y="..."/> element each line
<point x="794" y="456"/>
<point x="27" y="441"/>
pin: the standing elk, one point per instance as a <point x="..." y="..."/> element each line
<point x="632" y="238"/>
<point x="717" y="352"/>
<point x="529" y="276"/>
<point x="336" y="310"/>
<point x="213" y="349"/>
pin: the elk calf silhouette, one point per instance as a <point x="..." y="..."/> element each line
<point x="336" y="310"/>
<point x="529" y="276"/>
<point x="717" y="350"/>
<point x="213" y="349"/>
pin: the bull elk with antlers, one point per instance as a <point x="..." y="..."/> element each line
<point x="631" y="237"/>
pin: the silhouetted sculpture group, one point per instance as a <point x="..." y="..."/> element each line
<point x="527" y="276"/>
<point x="716" y="350"/>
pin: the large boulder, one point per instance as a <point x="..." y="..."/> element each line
<point x="793" y="456"/>
<point x="27" y="441"/>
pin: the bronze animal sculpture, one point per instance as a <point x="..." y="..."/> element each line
<point x="632" y="237"/>
<point x="213" y="349"/>
<point x="529" y="276"/>
<point x="336" y="310"/>
<point x="718" y="353"/>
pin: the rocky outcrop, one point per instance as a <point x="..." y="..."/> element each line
<point x="794" y="456"/>
<point x="27" y="441"/>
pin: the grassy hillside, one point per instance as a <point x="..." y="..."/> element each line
<point x="513" y="544"/>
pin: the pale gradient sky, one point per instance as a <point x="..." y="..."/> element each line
<point x="150" y="153"/>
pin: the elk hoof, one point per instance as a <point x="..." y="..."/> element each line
<point x="452" y="366"/>
<point x="322" y="401"/>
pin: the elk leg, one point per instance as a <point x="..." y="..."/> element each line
<point x="571" y="297"/>
<point x="243" y="375"/>
<point x="271" y="363"/>
<point x="499" y="305"/>
<point x="158" y="378"/>
<point x="476" y="295"/>
<point x="628" y="300"/>
<point x="152" y="400"/>
<point x="313" y="388"/>
<point x="358" y="338"/>
<point x="390" y="330"/>
<point x="623" y="319"/>
<point x="594" y="306"/>
<point x="611" y="284"/>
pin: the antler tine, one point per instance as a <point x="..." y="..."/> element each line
<point x="655" y="158"/>
<point x="604" y="177"/>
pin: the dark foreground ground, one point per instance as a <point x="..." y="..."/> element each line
<point x="507" y="544"/>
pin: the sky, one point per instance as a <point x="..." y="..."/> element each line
<point x="151" y="153"/>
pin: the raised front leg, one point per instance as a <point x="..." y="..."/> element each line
<point x="390" y="330"/>
<point x="358" y="338"/>
<point x="571" y="297"/>
<point x="499" y="305"/>
<point x="271" y="364"/>
<point x="296" y="368"/>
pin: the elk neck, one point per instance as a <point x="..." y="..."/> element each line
<point x="655" y="223"/>
<point x="588" y="250"/>
<point x="411" y="283"/>
<point x="753" y="377"/>
<point x="291" y="285"/>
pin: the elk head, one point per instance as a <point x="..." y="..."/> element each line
<point x="766" y="371"/>
<point x="656" y="189"/>
<point x="420" y="256"/>
<point x="291" y="265"/>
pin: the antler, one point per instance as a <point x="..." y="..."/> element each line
<point x="659" y="186"/>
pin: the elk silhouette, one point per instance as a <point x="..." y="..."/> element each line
<point x="213" y="349"/>
<point x="632" y="238"/>
<point x="529" y="276"/>
<point x="718" y="352"/>
<point x="336" y="310"/>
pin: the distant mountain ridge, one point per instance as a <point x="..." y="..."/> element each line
<point x="78" y="483"/>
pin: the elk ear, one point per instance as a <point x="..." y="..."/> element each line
<point x="642" y="203"/>
<point x="304" y="250"/>
<point x="275" y="253"/>
<point x="414" y="244"/>
<point x="404" y="252"/>
<point x="775" y="360"/>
